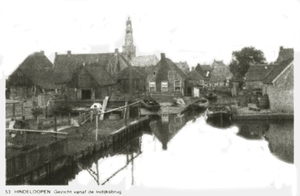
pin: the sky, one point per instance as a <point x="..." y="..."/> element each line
<point x="192" y="31"/>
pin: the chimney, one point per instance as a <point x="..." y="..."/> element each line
<point x="42" y="52"/>
<point x="281" y="47"/>
<point x="162" y="56"/>
<point x="55" y="54"/>
<point x="69" y="52"/>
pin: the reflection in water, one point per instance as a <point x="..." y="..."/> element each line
<point x="166" y="127"/>
<point x="279" y="134"/>
<point x="199" y="155"/>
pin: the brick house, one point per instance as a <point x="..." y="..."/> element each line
<point x="279" y="85"/>
<point x="167" y="78"/>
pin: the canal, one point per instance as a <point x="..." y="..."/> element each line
<point x="184" y="151"/>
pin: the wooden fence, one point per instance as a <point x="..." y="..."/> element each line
<point x="38" y="156"/>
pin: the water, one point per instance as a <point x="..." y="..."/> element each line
<point x="180" y="151"/>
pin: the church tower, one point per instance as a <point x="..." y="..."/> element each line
<point x="128" y="47"/>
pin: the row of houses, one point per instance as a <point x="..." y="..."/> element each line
<point x="94" y="76"/>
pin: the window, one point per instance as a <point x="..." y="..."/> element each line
<point x="154" y="73"/>
<point x="177" y="85"/>
<point x="164" y="86"/>
<point x="152" y="86"/>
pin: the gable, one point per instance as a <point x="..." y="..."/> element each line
<point x="278" y="70"/>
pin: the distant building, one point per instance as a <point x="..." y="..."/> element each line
<point x="284" y="54"/>
<point x="217" y="64"/>
<point x="129" y="49"/>
<point x="167" y="78"/>
<point x="255" y="76"/>
<point x="183" y="66"/>
<point x="279" y="85"/>
<point x="219" y="76"/>
<point x="204" y="70"/>
<point x="144" y="61"/>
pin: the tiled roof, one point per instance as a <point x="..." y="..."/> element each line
<point x="144" y="61"/>
<point x="68" y="63"/>
<point x="272" y="75"/>
<point x="136" y="72"/>
<point x="203" y="68"/>
<point x="258" y="72"/>
<point x="101" y="76"/>
<point x="194" y="75"/>
<point x="165" y="65"/>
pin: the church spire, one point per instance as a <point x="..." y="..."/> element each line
<point x="128" y="47"/>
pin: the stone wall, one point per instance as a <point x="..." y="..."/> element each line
<point x="281" y="93"/>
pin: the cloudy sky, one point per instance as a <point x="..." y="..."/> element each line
<point x="192" y="31"/>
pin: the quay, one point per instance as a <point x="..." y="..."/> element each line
<point x="245" y="113"/>
<point x="28" y="162"/>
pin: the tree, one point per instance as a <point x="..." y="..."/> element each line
<point x="241" y="61"/>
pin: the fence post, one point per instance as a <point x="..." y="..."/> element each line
<point x="139" y="110"/>
<point x="97" y="119"/>
<point x="125" y="112"/>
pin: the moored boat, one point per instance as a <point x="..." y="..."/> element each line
<point x="150" y="104"/>
<point x="199" y="105"/>
<point x="211" y="96"/>
<point x="219" y="116"/>
<point x="201" y="102"/>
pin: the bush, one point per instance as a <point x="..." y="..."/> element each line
<point x="60" y="109"/>
<point x="37" y="111"/>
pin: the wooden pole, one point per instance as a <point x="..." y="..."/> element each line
<point x="14" y="108"/>
<point x="139" y="111"/>
<point x="97" y="170"/>
<point x="55" y="127"/>
<point x="132" y="168"/>
<point x="97" y="119"/>
<point x="125" y="113"/>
